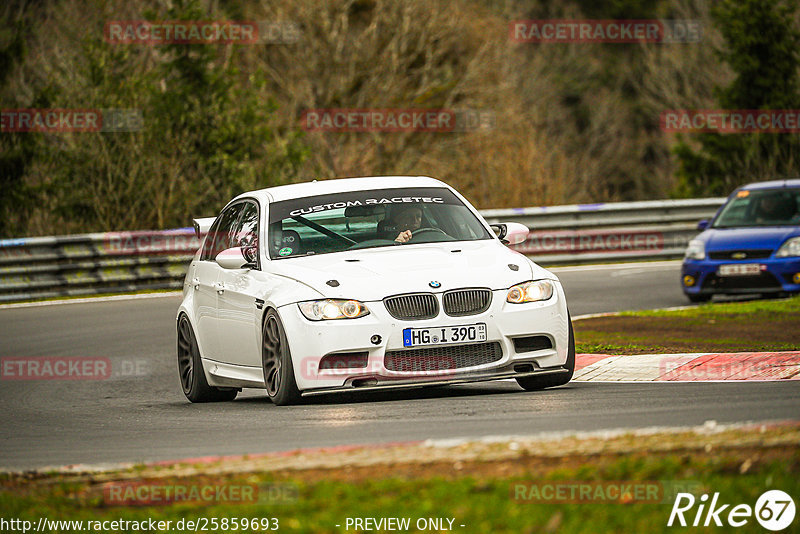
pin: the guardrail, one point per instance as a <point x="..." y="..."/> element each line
<point x="114" y="262"/>
<point x="592" y="233"/>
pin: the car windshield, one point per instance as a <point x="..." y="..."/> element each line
<point x="369" y="219"/>
<point x="767" y="207"/>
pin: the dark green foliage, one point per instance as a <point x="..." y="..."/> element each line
<point x="205" y="137"/>
<point x="763" y="49"/>
<point x="16" y="152"/>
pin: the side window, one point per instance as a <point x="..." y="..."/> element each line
<point x="246" y="234"/>
<point x="218" y="235"/>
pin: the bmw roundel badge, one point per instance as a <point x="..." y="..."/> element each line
<point x="434" y="284"/>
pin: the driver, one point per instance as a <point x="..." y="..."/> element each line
<point x="407" y="220"/>
<point x="775" y="208"/>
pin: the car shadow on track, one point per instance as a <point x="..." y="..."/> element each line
<point x="422" y="393"/>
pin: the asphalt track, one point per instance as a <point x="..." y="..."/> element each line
<point x="140" y="414"/>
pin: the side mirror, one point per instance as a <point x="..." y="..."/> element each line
<point x="237" y="258"/>
<point x="499" y="230"/>
<point x="702" y="225"/>
<point x="510" y="233"/>
<point x="516" y="233"/>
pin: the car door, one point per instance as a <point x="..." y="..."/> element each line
<point x="238" y="316"/>
<point x="205" y="281"/>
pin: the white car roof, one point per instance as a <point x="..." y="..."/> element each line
<point x="339" y="185"/>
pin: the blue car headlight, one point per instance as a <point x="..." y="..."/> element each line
<point x="789" y="249"/>
<point x="695" y="251"/>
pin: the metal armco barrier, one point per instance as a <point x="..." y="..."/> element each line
<point x="596" y="233"/>
<point x="114" y="262"/>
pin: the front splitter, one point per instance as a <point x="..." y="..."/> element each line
<point x="391" y="384"/>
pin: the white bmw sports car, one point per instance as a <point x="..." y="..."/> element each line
<point x="365" y="284"/>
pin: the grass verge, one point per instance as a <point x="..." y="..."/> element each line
<point x="487" y="487"/>
<point x="754" y="326"/>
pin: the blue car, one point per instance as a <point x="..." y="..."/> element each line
<point x="752" y="245"/>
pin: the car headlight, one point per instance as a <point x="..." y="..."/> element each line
<point x="530" y="291"/>
<point x="696" y="250"/>
<point x="322" y="310"/>
<point x="790" y="248"/>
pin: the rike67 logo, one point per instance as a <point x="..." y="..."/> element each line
<point x="774" y="510"/>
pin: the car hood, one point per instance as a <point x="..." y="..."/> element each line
<point x="770" y="237"/>
<point x="373" y="274"/>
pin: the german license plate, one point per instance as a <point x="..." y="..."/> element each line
<point x="443" y="335"/>
<point x="739" y="269"/>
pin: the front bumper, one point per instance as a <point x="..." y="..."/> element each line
<point x="777" y="276"/>
<point x="309" y="341"/>
<point x="391" y="384"/>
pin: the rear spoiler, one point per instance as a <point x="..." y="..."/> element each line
<point x="202" y="226"/>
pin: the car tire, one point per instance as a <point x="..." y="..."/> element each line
<point x="534" y="383"/>
<point x="276" y="362"/>
<point x="190" y="369"/>
<point x="698" y="299"/>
